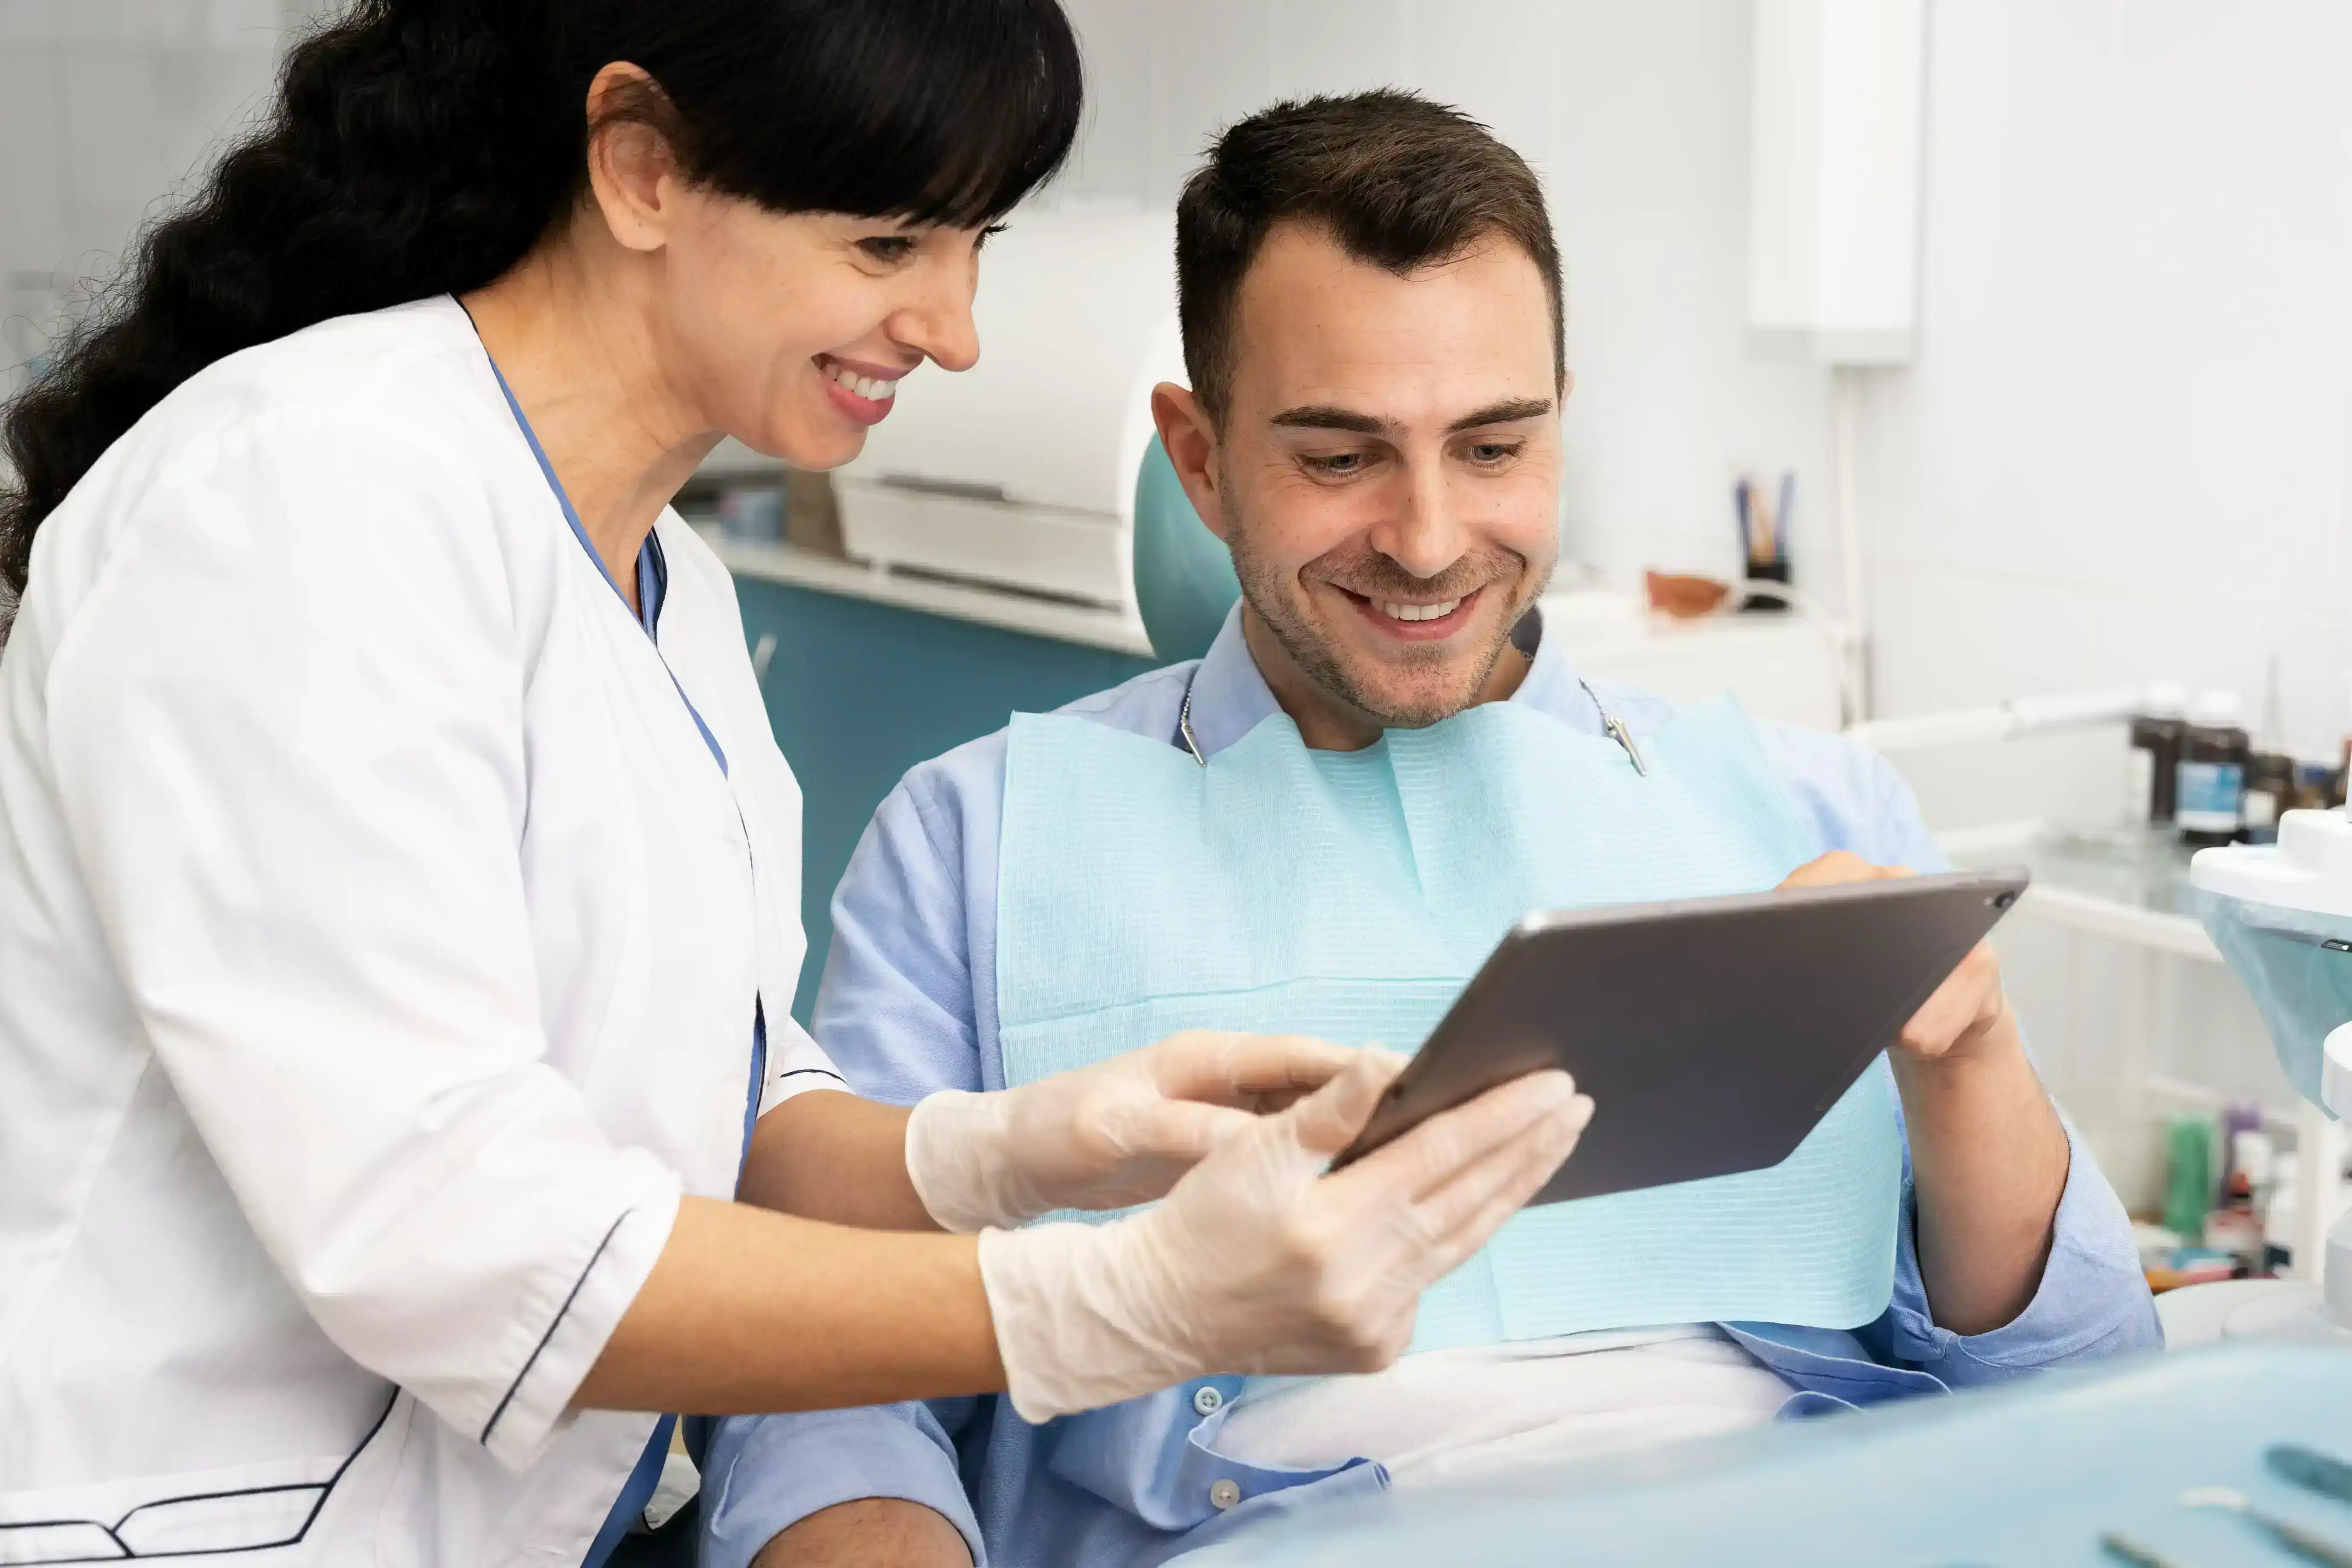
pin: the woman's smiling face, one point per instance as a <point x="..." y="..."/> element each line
<point x="789" y="332"/>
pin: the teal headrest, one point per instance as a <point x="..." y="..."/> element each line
<point x="1185" y="580"/>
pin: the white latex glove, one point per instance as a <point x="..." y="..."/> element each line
<point x="1258" y="1261"/>
<point x="1105" y="1136"/>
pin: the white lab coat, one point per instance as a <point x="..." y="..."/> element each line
<point x="379" y="945"/>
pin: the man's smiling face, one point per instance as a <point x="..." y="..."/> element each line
<point x="1386" y="473"/>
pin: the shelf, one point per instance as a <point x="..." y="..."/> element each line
<point x="2134" y="893"/>
<point x="1121" y="631"/>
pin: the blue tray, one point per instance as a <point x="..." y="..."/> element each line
<point x="2030" y="1474"/>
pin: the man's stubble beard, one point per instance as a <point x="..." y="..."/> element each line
<point x="1262" y="586"/>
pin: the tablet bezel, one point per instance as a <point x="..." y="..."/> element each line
<point x="1888" y="944"/>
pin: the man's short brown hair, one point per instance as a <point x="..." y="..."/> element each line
<point x="1398" y="181"/>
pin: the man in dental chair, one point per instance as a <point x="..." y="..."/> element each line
<point x="1321" y="827"/>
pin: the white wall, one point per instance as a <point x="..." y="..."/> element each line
<point x="105" y="106"/>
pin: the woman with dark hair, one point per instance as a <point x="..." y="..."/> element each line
<point x="395" y="857"/>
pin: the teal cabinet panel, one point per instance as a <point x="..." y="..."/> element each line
<point x="860" y="692"/>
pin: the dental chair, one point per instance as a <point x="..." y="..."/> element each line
<point x="2238" y="1452"/>
<point x="1184" y="579"/>
<point x="2044" y="1472"/>
<point x="2196" y="1457"/>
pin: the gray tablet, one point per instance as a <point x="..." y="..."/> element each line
<point x="1712" y="1034"/>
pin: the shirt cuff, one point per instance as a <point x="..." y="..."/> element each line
<point x="796" y="1064"/>
<point x="2093" y="1300"/>
<point x="766" y="1473"/>
<point x="584" y="1307"/>
<point x="781" y="1087"/>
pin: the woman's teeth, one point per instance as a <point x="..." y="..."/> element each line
<point x="866" y="386"/>
<point x="1419" y="612"/>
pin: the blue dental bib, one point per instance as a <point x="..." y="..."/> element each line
<point x="1351" y="895"/>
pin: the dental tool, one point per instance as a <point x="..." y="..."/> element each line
<point x="2306" y="1544"/>
<point x="2310" y="1469"/>
<point x="2125" y="1548"/>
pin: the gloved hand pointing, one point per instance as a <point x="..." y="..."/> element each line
<point x="1260" y="1262"/>
<point x="1105" y="1136"/>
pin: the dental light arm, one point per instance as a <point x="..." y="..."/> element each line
<point x="2000" y="721"/>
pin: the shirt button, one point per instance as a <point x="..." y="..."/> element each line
<point x="1226" y="1493"/>
<point x="1207" y="1400"/>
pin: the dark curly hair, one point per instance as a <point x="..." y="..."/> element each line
<point x="422" y="147"/>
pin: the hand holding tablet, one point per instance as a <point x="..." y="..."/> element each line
<point x="1712" y="1035"/>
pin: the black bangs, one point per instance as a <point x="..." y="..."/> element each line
<point x="932" y="110"/>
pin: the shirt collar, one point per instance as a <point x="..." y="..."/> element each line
<point x="1230" y="697"/>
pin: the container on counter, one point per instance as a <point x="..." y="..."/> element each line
<point x="2189" y="1182"/>
<point x="2210" y="782"/>
<point x="2237" y="1224"/>
<point x="2151" y="756"/>
<point x="2272" y="789"/>
<point x="2318" y="784"/>
<point x="2344" y="757"/>
<point x="753" y="512"/>
<point x="813" y="513"/>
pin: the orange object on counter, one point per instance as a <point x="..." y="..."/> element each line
<point x="1685" y="597"/>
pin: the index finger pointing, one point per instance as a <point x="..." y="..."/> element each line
<point x="1240" y="1067"/>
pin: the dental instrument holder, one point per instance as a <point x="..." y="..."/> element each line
<point x="2308" y="872"/>
<point x="1763" y="577"/>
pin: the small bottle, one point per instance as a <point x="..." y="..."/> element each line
<point x="2236" y="1119"/>
<point x="2188" y="1175"/>
<point x="2257" y="1161"/>
<point x="2152" y="753"/>
<point x="2270" y="772"/>
<point x="2210" y="783"/>
<point x="2270" y="792"/>
<point x="2237" y="1224"/>
<point x="2315" y="782"/>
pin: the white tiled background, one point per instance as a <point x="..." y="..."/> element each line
<point x="2125" y="449"/>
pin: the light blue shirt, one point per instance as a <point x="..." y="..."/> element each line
<point x="908" y="1005"/>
